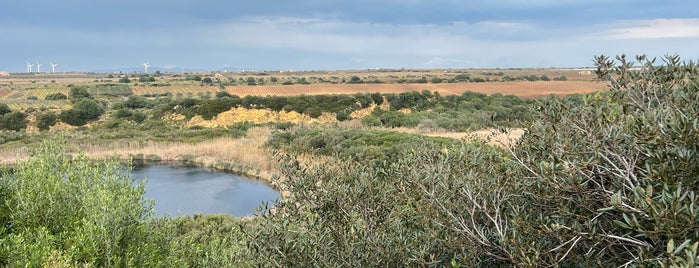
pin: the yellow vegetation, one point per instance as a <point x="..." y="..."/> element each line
<point x="259" y="116"/>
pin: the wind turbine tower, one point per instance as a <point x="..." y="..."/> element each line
<point x="53" y="67"/>
<point x="38" y="67"/>
<point x="29" y="67"/>
<point x="145" y="67"/>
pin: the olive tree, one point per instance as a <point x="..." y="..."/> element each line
<point x="71" y="211"/>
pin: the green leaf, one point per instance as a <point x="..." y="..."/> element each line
<point x="622" y="225"/>
<point x="682" y="246"/>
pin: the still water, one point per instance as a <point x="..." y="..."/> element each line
<point x="183" y="190"/>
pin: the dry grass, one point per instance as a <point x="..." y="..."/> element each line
<point x="259" y="116"/>
<point x="491" y="136"/>
<point x="246" y="151"/>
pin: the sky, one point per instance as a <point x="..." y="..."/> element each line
<point x="208" y="35"/>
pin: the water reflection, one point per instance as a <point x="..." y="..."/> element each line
<point x="185" y="190"/>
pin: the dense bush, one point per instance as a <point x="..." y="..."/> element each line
<point x="606" y="179"/>
<point x="212" y="107"/>
<point x="79" y="92"/>
<point x="4" y="109"/>
<point x="13" y="121"/>
<point x="464" y="112"/>
<point x="83" y="111"/>
<point x="146" y="78"/>
<point x="8" y="136"/>
<point x="137" y="102"/>
<point x="361" y="145"/>
<point x="135" y="116"/>
<point x="45" y="120"/>
<point x="348" y="213"/>
<point x="615" y="178"/>
<point x="59" y="211"/>
<point x="56" y="96"/>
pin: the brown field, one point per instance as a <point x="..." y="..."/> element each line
<point x="321" y="82"/>
<point x="519" y="88"/>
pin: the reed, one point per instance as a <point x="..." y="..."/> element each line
<point x="246" y="152"/>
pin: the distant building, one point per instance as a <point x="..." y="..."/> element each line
<point x="585" y="72"/>
<point x="4" y="74"/>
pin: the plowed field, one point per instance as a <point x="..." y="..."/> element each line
<point x="519" y="88"/>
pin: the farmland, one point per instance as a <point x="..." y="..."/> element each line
<point x="518" y="88"/>
<point x="28" y="91"/>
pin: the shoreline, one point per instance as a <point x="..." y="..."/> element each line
<point x="245" y="171"/>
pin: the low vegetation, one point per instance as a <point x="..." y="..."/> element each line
<point x="597" y="180"/>
<point x="603" y="180"/>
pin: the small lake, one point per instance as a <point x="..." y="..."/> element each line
<point x="184" y="190"/>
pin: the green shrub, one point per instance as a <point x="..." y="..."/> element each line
<point x="146" y="78"/>
<point x="56" y="96"/>
<point x="606" y="179"/>
<point x="74" y="212"/>
<point x="111" y="90"/>
<point x="13" y="121"/>
<point x="45" y="120"/>
<point x="4" y="109"/>
<point x="83" y="111"/>
<point x="79" y="92"/>
<point x="137" y="102"/>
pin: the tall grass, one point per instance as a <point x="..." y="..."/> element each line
<point x="245" y="151"/>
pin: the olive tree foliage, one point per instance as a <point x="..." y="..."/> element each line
<point x="613" y="181"/>
<point x="4" y="109"/>
<point x="344" y="213"/>
<point x="83" y="110"/>
<point x="607" y="179"/>
<point x="62" y="211"/>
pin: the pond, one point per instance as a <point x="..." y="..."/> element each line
<point x="184" y="190"/>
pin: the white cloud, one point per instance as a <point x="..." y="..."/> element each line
<point x="302" y="42"/>
<point x="653" y="29"/>
<point x="332" y="36"/>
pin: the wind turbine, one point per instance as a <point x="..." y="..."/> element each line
<point x="29" y="67"/>
<point x="38" y="67"/>
<point x="53" y="67"/>
<point x="145" y="67"/>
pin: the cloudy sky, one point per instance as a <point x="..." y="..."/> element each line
<point x="103" y="35"/>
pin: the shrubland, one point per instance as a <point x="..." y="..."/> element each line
<point x="608" y="179"/>
<point x="597" y="180"/>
